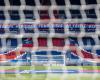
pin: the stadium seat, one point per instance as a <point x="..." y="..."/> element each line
<point x="59" y="14"/>
<point x="56" y="53"/>
<point x="11" y="42"/>
<point x="2" y="16"/>
<point x="91" y="2"/>
<point x="76" y="2"/>
<point x="58" y="42"/>
<point x="14" y="14"/>
<point x="50" y="24"/>
<point x="41" y="56"/>
<point x="30" y="2"/>
<point x="45" y="3"/>
<point x="29" y="14"/>
<point x="41" y="53"/>
<point x="2" y="3"/>
<point x="42" y="42"/>
<point x="44" y="14"/>
<point x="0" y="43"/>
<point x="14" y="29"/>
<point x="60" y="2"/>
<point x="90" y="13"/>
<point x="88" y="41"/>
<point x="15" y="3"/>
<point x="75" y="13"/>
<point x="2" y="30"/>
<point x="98" y="52"/>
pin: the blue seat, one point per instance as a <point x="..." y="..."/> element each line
<point x="15" y="3"/>
<point x="90" y="13"/>
<point x="11" y="42"/>
<point x="2" y="3"/>
<point x="55" y="53"/>
<point x="2" y="30"/>
<point x="29" y="14"/>
<point x="2" y="16"/>
<point x="75" y="13"/>
<point x="0" y="43"/>
<point x="14" y="14"/>
<point x="60" y="2"/>
<point x="98" y="52"/>
<point x="88" y="41"/>
<point x="41" y="53"/>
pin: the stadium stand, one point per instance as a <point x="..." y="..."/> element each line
<point x="54" y="25"/>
